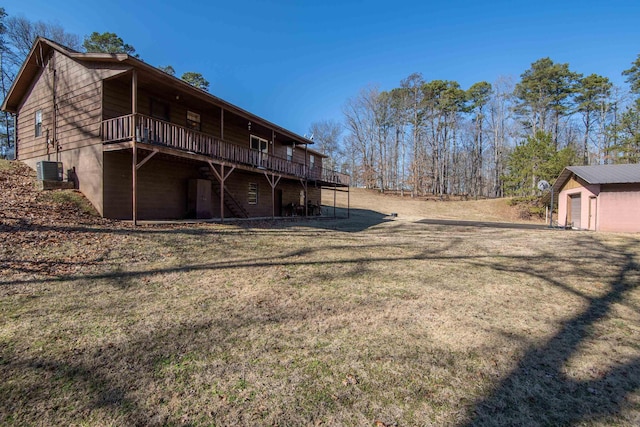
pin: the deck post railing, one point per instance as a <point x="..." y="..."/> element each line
<point x="153" y="131"/>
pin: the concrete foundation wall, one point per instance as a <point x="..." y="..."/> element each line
<point x="82" y="166"/>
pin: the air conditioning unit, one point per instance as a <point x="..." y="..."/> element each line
<point x="49" y="171"/>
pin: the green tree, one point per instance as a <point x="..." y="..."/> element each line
<point x="628" y="136"/>
<point x="107" y="43"/>
<point x="633" y="76"/>
<point x="592" y="92"/>
<point x="478" y="96"/>
<point x="443" y="101"/>
<point x="627" y="129"/>
<point x="168" y="69"/>
<point x="533" y="160"/>
<point x="545" y="94"/>
<point x="412" y="86"/>
<point x="196" y="80"/>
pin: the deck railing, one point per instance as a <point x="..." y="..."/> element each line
<point x="154" y="131"/>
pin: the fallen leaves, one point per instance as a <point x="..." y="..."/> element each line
<point x="44" y="235"/>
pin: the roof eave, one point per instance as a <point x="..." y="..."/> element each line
<point x="12" y="107"/>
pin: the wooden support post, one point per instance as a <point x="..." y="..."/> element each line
<point x="222" y="194"/>
<point x="222" y="178"/>
<point x="134" y="149"/>
<point x="146" y="159"/>
<point x="348" y="203"/>
<point x="334" y="200"/>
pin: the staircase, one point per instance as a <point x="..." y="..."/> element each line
<point x="232" y="205"/>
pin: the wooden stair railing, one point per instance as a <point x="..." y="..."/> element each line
<point x="232" y="204"/>
<point x="236" y="209"/>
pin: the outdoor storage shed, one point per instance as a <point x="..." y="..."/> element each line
<point x="602" y="197"/>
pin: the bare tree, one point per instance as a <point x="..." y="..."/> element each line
<point x="22" y="33"/>
<point x="326" y="133"/>
<point x="500" y="124"/>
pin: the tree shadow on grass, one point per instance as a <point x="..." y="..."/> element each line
<point x="539" y="392"/>
<point x="536" y="392"/>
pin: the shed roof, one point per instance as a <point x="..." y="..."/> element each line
<point x="597" y="174"/>
<point x="608" y="174"/>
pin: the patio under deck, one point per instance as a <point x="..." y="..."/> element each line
<point x="153" y="136"/>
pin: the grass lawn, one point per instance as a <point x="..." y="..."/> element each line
<point x="348" y="322"/>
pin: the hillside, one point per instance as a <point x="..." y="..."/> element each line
<point x="24" y="208"/>
<point x="62" y="220"/>
<point x="492" y="210"/>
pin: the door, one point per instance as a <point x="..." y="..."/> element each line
<point x="278" y="202"/>
<point x="260" y="149"/>
<point x="575" y="208"/>
<point x="593" y="213"/>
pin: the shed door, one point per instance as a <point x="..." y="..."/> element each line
<point x="576" y="207"/>
<point x="593" y="214"/>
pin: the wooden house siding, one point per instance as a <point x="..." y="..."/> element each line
<point x="78" y="97"/>
<point x="38" y="98"/>
<point x="116" y="100"/>
<point x="163" y="185"/>
<point x="94" y="131"/>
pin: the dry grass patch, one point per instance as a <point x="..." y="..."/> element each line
<point x="399" y="322"/>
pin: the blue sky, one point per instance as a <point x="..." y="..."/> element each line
<point x="296" y="62"/>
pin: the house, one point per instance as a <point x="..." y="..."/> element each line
<point x="602" y="198"/>
<point x="142" y="144"/>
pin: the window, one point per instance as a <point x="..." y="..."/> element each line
<point x="159" y="110"/>
<point x="289" y="153"/>
<point x="312" y="161"/>
<point x="258" y="144"/>
<point x="193" y="120"/>
<point x="253" y="193"/>
<point x="38" y="122"/>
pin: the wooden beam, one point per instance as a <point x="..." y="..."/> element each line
<point x="222" y="177"/>
<point x="146" y="159"/>
<point x="134" y="149"/>
<point x="334" y="200"/>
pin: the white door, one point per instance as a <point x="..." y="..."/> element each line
<point x="576" y="210"/>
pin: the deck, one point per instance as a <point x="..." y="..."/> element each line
<point x="160" y="133"/>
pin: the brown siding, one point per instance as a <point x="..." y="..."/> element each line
<point x="116" y="99"/>
<point x="78" y="95"/>
<point x="163" y="188"/>
<point x="39" y="97"/>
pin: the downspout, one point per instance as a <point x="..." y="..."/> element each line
<point x="306" y="181"/>
<point x="15" y="136"/>
<point x="55" y="108"/>
<point x="551" y="210"/>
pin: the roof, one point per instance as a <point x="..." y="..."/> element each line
<point x="42" y="47"/>
<point x="596" y="174"/>
<point x="608" y="174"/>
